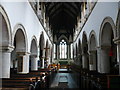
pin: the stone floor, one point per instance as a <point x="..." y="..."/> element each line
<point x="63" y="80"/>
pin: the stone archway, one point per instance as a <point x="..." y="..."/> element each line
<point x="20" y="58"/>
<point x="92" y="52"/>
<point x="5" y="44"/>
<point x="33" y="57"/>
<point x="108" y="47"/>
<point x="42" y="46"/>
<point x="85" y="58"/>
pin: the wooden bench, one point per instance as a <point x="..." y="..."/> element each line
<point x="113" y="81"/>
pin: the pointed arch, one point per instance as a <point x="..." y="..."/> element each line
<point x="20" y="37"/>
<point x="107" y="45"/>
<point x="109" y="24"/>
<point x="84" y="42"/>
<point x="42" y="41"/>
<point x="92" y="40"/>
<point x="85" y="57"/>
<point x="63" y="37"/>
<point x="92" y="51"/>
<point x="34" y="51"/>
<point x="34" y="46"/>
<point x="118" y="25"/>
<point x="6" y="33"/>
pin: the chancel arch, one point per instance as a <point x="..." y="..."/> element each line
<point x="5" y="44"/>
<point x="108" y="47"/>
<point x="92" y="51"/>
<point x="33" y="55"/>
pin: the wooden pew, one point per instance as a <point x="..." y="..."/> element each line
<point x="113" y="81"/>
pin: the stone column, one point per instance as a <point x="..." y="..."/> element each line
<point x="52" y="53"/>
<point x="84" y="61"/>
<point x="43" y="61"/>
<point x="23" y="62"/>
<point x="92" y="60"/>
<point x="118" y="55"/>
<point x="105" y="62"/>
<point x="117" y="41"/>
<point x="56" y="51"/>
<point x="78" y="59"/>
<point x="26" y="62"/>
<point x="43" y="64"/>
<point x="5" y="61"/>
<point x="34" y="66"/>
<point x="99" y="59"/>
<point x="68" y="51"/>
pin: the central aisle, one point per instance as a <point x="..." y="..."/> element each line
<point x="63" y="80"/>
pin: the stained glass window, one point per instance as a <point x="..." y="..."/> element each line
<point x="63" y="49"/>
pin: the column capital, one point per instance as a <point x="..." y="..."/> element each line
<point x="28" y="53"/>
<point x="21" y="50"/>
<point x="7" y="48"/>
<point x="117" y="40"/>
<point x="92" y="51"/>
<point x="33" y="55"/>
<point x="105" y="46"/>
<point x="21" y="53"/>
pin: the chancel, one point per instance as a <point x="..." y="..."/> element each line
<point x="57" y="44"/>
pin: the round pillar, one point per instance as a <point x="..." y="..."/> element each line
<point x="105" y="62"/>
<point x="34" y="66"/>
<point x="92" y="60"/>
<point x="23" y="62"/>
<point x="117" y="41"/>
<point x="5" y="61"/>
<point x="118" y="55"/>
<point x="99" y="59"/>
<point x="84" y="61"/>
<point x="43" y="63"/>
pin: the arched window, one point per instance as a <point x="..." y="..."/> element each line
<point x="63" y="49"/>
